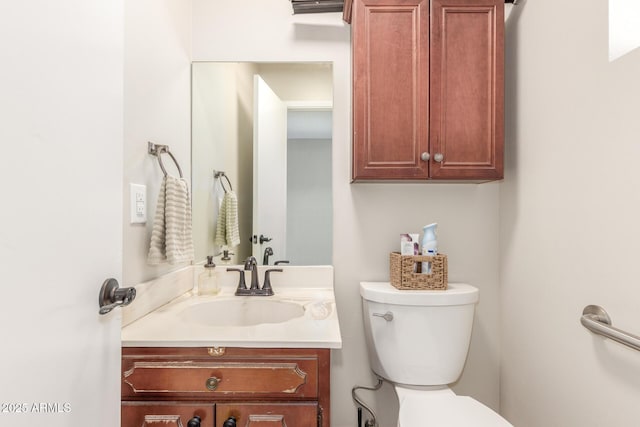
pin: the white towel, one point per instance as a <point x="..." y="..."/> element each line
<point x="227" y="231"/>
<point x="171" y="236"/>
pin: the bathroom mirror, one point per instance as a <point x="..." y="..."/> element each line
<point x="268" y="127"/>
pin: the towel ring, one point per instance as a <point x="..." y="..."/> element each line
<point x="220" y="175"/>
<point x="157" y="150"/>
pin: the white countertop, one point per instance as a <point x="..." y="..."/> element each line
<point x="317" y="327"/>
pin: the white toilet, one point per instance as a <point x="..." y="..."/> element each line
<point x="418" y="340"/>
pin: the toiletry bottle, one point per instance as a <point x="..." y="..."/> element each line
<point x="429" y="245"/>
<point x="208" y="279"/>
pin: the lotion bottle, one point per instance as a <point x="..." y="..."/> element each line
<point x="208" y="279"/>
<point x="429" y="245"/>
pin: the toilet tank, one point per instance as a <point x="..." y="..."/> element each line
<point x="424" y="338"/>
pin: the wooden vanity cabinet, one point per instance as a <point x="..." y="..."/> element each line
<point x="259" y="387"/>
<point x="428" y="95"/>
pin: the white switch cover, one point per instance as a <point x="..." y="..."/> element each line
<point x="138" y="203"/>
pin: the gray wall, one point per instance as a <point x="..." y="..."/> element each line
<point x="309" y="204"/>
<point x="157" y="96"/>
<point x="569" y="211"/>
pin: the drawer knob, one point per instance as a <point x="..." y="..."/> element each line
<point x="231" y="422"/>
<point x="194" y="422"/>
<point x="212" y="383"/>
<point x="438" y="157"/>
<point x="425" y="156"/>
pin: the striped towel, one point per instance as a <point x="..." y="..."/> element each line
<point x="227" y="231"/>
<point x="171" y="237"/>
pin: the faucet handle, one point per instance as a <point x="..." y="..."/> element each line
<point x="241" y="282"/>
<point x="284" y="261"/>
<point x="266" y="287"/>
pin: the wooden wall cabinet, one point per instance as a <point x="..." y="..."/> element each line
<point x="256" y="387"/>
<point x="428" y="89"/>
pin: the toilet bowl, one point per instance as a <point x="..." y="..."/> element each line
<point x="443" y="408"/>
<point x="418" y="341"/>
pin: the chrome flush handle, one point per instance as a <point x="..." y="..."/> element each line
<point x="388" y="316"/>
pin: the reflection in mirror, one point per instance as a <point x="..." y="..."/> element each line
<point x="268" y="127"/>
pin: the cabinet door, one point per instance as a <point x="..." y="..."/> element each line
<point x="467" y="89"/>
<point x="269" y="414"/>
<point x="390" y="89"/>
<point x="158" y="414"/>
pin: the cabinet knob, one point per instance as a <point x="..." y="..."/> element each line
<point x="425" y="156"/>
<point x="438" y="157"/>
<point x="194" y="422"/>
<point x="212" y="383"/>
<point x="231" y="422"/>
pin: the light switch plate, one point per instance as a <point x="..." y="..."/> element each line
<point x="138" y="203"/>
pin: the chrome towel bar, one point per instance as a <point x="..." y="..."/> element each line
<point x="596" y="319"/>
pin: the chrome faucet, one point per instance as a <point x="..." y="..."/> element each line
<point x="250" y="264"/>
<point x="267" y="253"/>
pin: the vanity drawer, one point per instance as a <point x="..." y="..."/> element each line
<point x="163" y="414"/>
<point x="238" y="373"/>
<point x="269" y="414"/>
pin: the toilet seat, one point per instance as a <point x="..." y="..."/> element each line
<point x="447" y="411"/>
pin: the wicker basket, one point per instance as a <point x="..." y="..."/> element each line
<point x="405" y="271"/>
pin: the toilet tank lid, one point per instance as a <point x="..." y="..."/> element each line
<point x="384" y="292"/>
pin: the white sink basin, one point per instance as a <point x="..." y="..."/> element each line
<point x="241" y="311"/>
<point x="301" y="314"/>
